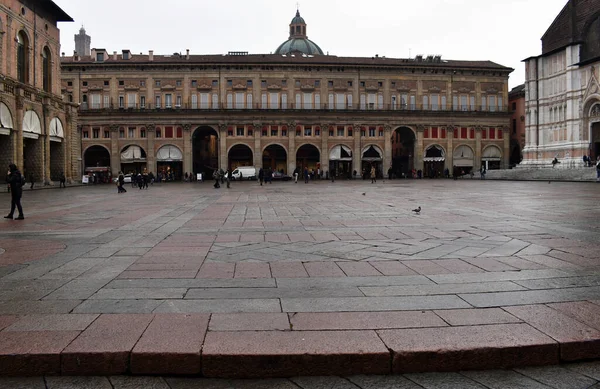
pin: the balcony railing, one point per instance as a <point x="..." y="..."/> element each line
<point x="292" y="107"/>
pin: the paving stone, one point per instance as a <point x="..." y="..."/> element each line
<point x="557" y="377"/>
<point x="210" y="383"/>
<point x="219" y="306"/>
<point x="364" y="320"/>
<point x="7" y="320"/>
<point x="37" y="307"/>
<point x="588" y="369"/>
<point x="426" y="290"/>
<point x="340" y="282"/>
<point x="499" y="299"/>
<point x="170" y="345"/>
<point x="505" y="380"/>
<point x="78" y="383"/>
<point x="118" y="306"/>
<point x="22" y="382"/>
<point x="473" y="347"/>
<point x="392" y="268"/>
<point x="383" y="382"/>
<point x="582" y="311"/>
<point x="139" y="293"/>
<point x="125" y="382"/>
<point x="33" y="353"/>
<point x="470" y="317"/>
<point x="444" y="381"/>
<point x="358" y="269"/>
<point x="577" y="341"/>
<point x="558" y="283"/>
<point x="323" y="269"/>
<point x="323" y="382"/>
<point x="293" y="353"/>
<point x="269" y="293"/>
<point x="249" y="322"/>
<point x="63" y="322"/>
<point x="104" y="347"/>
<point x="497" y="276"/>
<point x="76" y="289"/>
<point x="196" y="283"/>
<point x="371" y="304"/>
<point x="286" y="269"/>
<point x="426" y="267"/>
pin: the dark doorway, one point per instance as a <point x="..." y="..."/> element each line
<point x="595" y="142"/>
<point x="240" y="155"/>
<point x="96" y="156"/>
<point x="275" y="158"/>
<point x="32" y="161"/>
<point x="57" y="160"/>
<point x="205" y="151"/>
<point x="434" y="162"/>
<point x="308" y="156"/>
<point x="403" y="151"/>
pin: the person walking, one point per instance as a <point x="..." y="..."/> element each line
<point x="217" y="178"/>
<point x="296" y="174"/>
<point x="31" y="180"/>
<point x="145" y="179"/>
<point x="261" y="175"/>
<point x="598" y="171"/>
<point x="16" y="182"/>
<point x="121" y="181"/>
<point x="63" y="181"/>
<point x="306" y="175"/>
<point x="373" y="175"/>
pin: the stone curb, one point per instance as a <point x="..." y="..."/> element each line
<point x="182" y="344"/>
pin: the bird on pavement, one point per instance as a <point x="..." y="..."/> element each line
<point x="417" y="211"/>
<point x="364" y="194"/>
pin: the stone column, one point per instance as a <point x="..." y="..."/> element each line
<point x="257" y="151"/>
<point x="223" y="157"/>
<point x="115" y="153"/>
<point x="187" y="148"/>
<point x="46" y="179"/>
<point x="324" y="148"/>
<point x="506" y="151"/>
<point x="18" y="139"/>
<point x="450" y="149"/>
<point x="419" y="148"/>
<point x="478" y="130"/>
<point x="292" y="147"/>
<point x="387" y="151"/>
<point x="151" y="151"/>
<point x="357" y="153"/>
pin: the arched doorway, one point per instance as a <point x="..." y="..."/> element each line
<point x="463" y="159"/>
<point x="308" y="156"/>
<point x="372" y="156"/>
<point x="205" y="151"/>
<point x="96" y="160"/>
<point x="33" y="146"/>
<point x="340" y="161"/>
<point x="275" y="158"/>
<point x="515" y="153"/>
<point x="169" y="159"/>
<point x="6" y="134"/>
<point x="57" y="149"/>
<point x="403" y="151"/>
<point x="491" y="157"/>
<point x="595" y="132"/>
<point x="239" y="155"/>
<point x="433" y="163"/>
<point x="133" y="159"/>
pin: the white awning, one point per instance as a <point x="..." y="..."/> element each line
<point x="132" y="153"/>
<point x="56" y="128"/>
<point x="463" y="156"/>
<point x="340" y="153"/>
<point x="492" y="153"/>
<point x="31" y="123"/>
<point x="5" y="117"/>
<point x="372" y="154"/>
<point x="169" y="153"/>
<point x="434" y="153"/>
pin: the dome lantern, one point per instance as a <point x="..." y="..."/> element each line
<point x="298" y="40"/>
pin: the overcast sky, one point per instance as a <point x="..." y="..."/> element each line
<point x="505" y="31"/>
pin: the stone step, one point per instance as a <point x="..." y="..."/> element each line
<point x="543" y="174"/>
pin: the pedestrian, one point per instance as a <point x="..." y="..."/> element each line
<point x="16" y="182"/>
<point x="598" y="171"/>
<point x="390" y="173"/>
<point x="332" y="175"/>
<point x="373" y="175"/>
<point x="483" y="171"/>
<point x="296" y="174"/>
<point x="140" y="181"/>
<point x="31" y="180"/>
<point x="261" y="175"/>
<point x="63" y="181"/>
<point x="269" y="176"/>
<point x="222" y="176"/>
<point x="121" y="181"/>
<point x="306" y="175"/>
<point x="217" y="178"/>
<point x="228" y="177"/>
<point x="151" y="177"/>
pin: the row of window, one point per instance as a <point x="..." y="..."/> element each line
<point x="276" y="100"/>
<point x="135" y="133"/>
<point x="461" y="133"/>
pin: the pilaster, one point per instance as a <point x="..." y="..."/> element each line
<point x="450" y="149"/>
<point x="291" y="146"/>
<point x="115" y="154"/>
<point x="187" y="148"/>
<point x="357" y="152"/>
<point x="506" y="149"/>
<point x="18" y="145"/>
<point x="478" y="130"/>
<point x="223" y="157"/>
<point x="46" y="141"/>
<point x="419" y="148"/>
<point x="256" y="151"/>
<point x="387" y="157"/>
<point x="324" y="148"/>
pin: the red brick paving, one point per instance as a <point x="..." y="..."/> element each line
<point x="286" y="269"/>
<point x="249" y="322"/>
<point x="364" y="320"/>
<point x="323" y="269"/>
<point x="217" y="270"/>
<point x="252" y="270"/>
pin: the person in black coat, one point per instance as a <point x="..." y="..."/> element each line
<point x="261" y="175"/>
<point x="16" y="190"/>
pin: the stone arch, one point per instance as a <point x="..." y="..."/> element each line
<point x="205" y="150"/>
<point x="6" y="117"/>
<point x="404" y="141"/>
<point x="167" y="146"/>
<point x="275" y="156"/>
<point x="56" y="128"/>
<point x="414" y="131"/>
<point x="308" y="155"/>
<point x="591" y="126"/>
<point x="308" y="144"/>
<point x="273" y="144"/>
<point x="463" y="156"/>
<point x="96" y="145"/>
<point x="240" y="154"/>
<point x="32" y="122"/>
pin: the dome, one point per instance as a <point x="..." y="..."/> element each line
<point x="303" y="45"/>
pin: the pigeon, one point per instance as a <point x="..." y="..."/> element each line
<point x="417" y="211"/>
<point x="364" y="194"/>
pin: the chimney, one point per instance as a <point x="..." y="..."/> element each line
<point x="94" y="54"/>
<point x="75" y="56"/>
<point x="114" y="55"/>
<point x="151" y="55"/>
<point x="187" y="54"/>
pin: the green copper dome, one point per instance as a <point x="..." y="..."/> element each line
<point x="298" y="40"/>
<point x="303" y="45"/>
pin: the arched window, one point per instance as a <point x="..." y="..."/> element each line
<point x="22" y="57"/>
<point x="46" y="70"/>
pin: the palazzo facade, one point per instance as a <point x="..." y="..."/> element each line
<point x="562" y="89"/>
<point x="38" y="131"/>
<point x="294" y="108"/>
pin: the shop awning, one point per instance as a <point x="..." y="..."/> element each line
<point x="56" y="130"/>
<point x="31" y="123"/>
<point x="463" y="156"/>
<point x="132" y="153"/>
<point x="6" y="122"/>
<point x="492" y="153"/>
<point x="169" y="153"/>
<point x="340" y="153"/>
<point x="372" y="154"/>
<point x="434" y="154"/>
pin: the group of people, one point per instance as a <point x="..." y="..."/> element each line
<point x="221" y="176"/>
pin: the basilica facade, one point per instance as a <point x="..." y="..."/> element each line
<point x="38" y="130"/>
<point x="562" y="90"/>
<point x="297" y="107"/>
